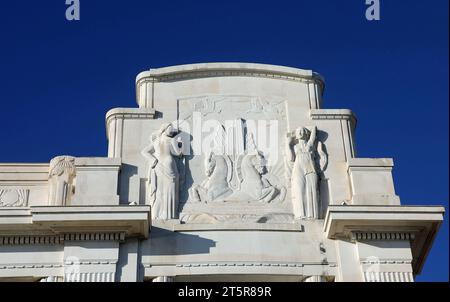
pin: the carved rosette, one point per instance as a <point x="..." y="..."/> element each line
<point x="61" y="180"/>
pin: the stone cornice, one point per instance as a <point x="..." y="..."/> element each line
<point x="334" y="114"/>
<point x="129" y="113"/>
<point x="417" y="224"/>
<point x="52" y="225"/>
<point x="204" y="70"/>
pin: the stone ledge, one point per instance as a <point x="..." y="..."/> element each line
<point x="244" y="226"/>
<point x="338" y="218"/>
<point x="131" y="113"/>
<point x="423" y="222"/>
<point x="133" y="221"/>
<point x="332" y="114"/>
<point x="223" y="268"/>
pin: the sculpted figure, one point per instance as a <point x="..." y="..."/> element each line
<point x="218" y="171"/>
<point x="304" y="152"/>
<point x="60" y="177"/>
<point x="163" y="178"/>
<point x="252" y="182"/>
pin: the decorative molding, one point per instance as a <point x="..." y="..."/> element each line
<point x="31" y="240"/>
<point x="370" y="261"/>
<point x="240" y="264"/>
<point x="120" y="236"/>
<point x="130" y="114"/>
<point x="30" y="265"/>
<point x="59" y="239"/>
<point x="333" y="114"/>
<point x="224" y="73"/>
<point x="357" y="235"/>
<point x="184" y="72"/>
<point x="91" y="262"/>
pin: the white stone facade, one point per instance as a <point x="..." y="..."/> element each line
<point x="226" y="171"/>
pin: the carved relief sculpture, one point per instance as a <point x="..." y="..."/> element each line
<point x="253" y="186"/>
<point x="61" y="180"/>
<point x="163" y="177"/>
<point x="304" y="152"/>
<point x="250" y="169"/>
<point x="218" y="170"/>
<point x="14" y="197"/>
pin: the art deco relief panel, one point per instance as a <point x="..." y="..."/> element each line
<point x="247" y="166"/>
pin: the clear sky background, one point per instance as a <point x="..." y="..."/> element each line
<point x="58" y="78"/>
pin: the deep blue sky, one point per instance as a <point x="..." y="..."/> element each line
<point x="58" y="78"/>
